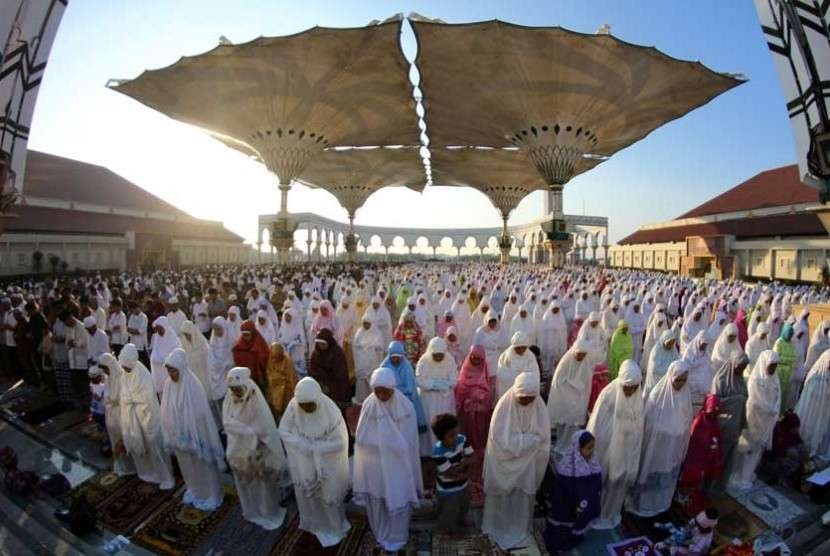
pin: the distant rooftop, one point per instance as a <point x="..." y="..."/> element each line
<point x="55" y="177"/>
<point x="771" y="188"/>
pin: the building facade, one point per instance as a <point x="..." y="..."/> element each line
<point x="74" y="215"/>
<point x="764" y="228"/>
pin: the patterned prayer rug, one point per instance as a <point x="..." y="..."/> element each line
<point x="461" y="545"/>
<point x="236" y="535"/>
<point x="771" y="506"/>
<point x="296" y="542"/>
<point x="123" y="503"/>
<point x="99" y="487"/>
<point x="639" y="546"/>
<point x="178" y="529"/>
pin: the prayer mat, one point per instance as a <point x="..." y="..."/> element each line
<point x="775" y="509"/>
<point x="99" y="487"/>
<point x="296" y="542"/>
<point x="236" y="535"/>
<point x="735" y="522"/>
<point x="639" y="546"/>
<point x="462" y="544"/>
<point x="89" y="430"/>
<point x="178" y="529"/>
<point x="132" y="504"/>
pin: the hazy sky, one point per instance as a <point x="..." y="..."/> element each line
<point x="680" y="165"/>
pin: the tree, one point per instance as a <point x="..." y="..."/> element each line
<point x="37" y="261"/>
<point x="64" y="265"/>
<point x="54" y="261"/>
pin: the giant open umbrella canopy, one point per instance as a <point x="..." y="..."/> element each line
<point x="503" y="175"/>
<point x="555" y="94"/>
<point x="285" y="99"/>
<point x="352" y="175"/>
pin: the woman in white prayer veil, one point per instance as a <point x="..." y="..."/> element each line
<point x="378" y="315"/>
<point x="636" y="327"/>
<point x="756" y="345"/>
<point x="234" y="323"/>
<point x="317" y="445"/>
<point x="436" y="375"/>
<point x="665" y="441"/>
<point x="122" y="463"/>
<point x="265" y="327"/>
<point x="570" y="391"/>
<point x="197" y="348"/>
<point x="596" y="343"/>
<point x="617" y="426"/>
<point x="141" y="436"/>
<point x="762" y="410"/>
<point x="699" y="367"/>
<point x="523" y="322"/>
<point x="663" y="354"/>
<point x="552" y="336"/>
<point x="819" y="343"/>
<point x="515" y="360"/>
<point x="163" y="343"/>
<point x="255" y="453"/>
<point x="220" y="359"/>
<point x="813" y="408"/>
<point x="726" y="345"/>
<point x="463" y="321"/>
<point x="369" y="350"/>
<point x="387" y="467"/>
<point x="517" y="454"/>
<point x="292" y="337"/>
<point x="189" y="431"/>
<point x="492" y="336"/>
<point x="657" y="325"/>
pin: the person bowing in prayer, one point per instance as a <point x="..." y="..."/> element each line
<point x="515" y="360"/>
<point x="141" y="436"/>
<point x="387" y="468"/>
<point x="252" y="352"/>
<point x="436" y="375"/>
<point x="569" y="395"/>
<point x="617" y="425"/>
<point x="317" y="444"/>
<point x="665" y="442"/>
<point x="255" y="453"/>
<point x="574" y="497"/>
<point x="122" y="463"/>
<point x="282" y="378"/>
<point x="189" y="432"/>
<point x="517" y="454"/>
<point x="328" y="367"/>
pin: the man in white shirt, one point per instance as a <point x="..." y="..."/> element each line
<point x="98" y="340"/>
<point x="176" y="316"/>
<point x="117" y="327"/>
<point x="137" y="331"/>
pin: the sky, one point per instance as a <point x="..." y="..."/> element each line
<point x="680" y="165"/>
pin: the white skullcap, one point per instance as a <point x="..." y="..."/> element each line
<point x="90" y="321"/>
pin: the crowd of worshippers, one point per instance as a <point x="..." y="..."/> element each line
<point x="578" y="392"/>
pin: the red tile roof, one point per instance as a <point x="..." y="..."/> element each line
<point x="56" y="177"/>
<point x="799" y="224"/>
<point x="771" y="188"/>
<point x="52" y="220"/>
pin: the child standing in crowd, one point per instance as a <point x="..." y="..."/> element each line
<point x="96" y="402"/>
<point x="452" y="455"/>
